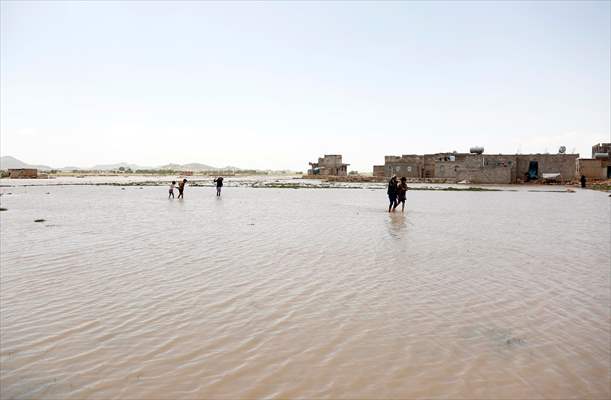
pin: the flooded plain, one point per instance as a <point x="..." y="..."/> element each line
<point x="284" y="293"/>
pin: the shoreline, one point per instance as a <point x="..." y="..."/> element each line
<point x="297" y="182"/>
<point x="295" y="186"/>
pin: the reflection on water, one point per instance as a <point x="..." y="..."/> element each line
<point x="397" y="224"/>
<point x="303" y="293"/>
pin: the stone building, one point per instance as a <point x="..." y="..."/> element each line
<point x="23" y="173"/>
<point x="378" y="171"/>
<point x="601" y="149"/>
<point x="594" y="169"/>
<point x="534" y="166"/>
<point x="474" y="168"/>
<point x="599" y="166"/>
<point x="329" y="165"/>
<point x="408" y="165"/>
<point x="482" y="168"/>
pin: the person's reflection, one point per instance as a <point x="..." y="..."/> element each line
<point x="397" y="225"/>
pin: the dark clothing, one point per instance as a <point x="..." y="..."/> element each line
<point x="219" y="185"/>
<point x="402" y="190"/>
<point x="392" y="188"/>
<point x="393" y="199"/>
<point x="583" y="181"/>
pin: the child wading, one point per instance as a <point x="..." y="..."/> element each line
<point x="171" y="191"/>
<point x="181" y="188"/>
<point x="392" y="193"/>
<point x="401" y="194"/>
<point x="219" y="185"/>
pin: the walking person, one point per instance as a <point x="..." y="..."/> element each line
<point x="219" y="185"/>
<point x="583" y="181"/>
<point x="392" y="193"/>
<point x="181" y="188"/>
<point x="401" y="193"/>
<point x="171" y="191"/>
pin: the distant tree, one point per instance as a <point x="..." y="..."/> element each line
<point x="353" y="172"/>
<point x="122" y="169"/>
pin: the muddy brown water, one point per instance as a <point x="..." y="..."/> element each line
<point x="286" y="293"/>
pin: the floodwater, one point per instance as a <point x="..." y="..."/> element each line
<point x="280" y="293"/>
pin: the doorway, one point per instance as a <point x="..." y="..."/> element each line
<point x="533" y="170"/>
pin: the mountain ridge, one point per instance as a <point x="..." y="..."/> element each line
<point x="7" y="162"/>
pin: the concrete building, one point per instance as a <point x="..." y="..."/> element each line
<point x="599" y="166"/>
<point x="473" y="168"/>
<point x="408" y="165"/>
<point x="601" y="149"/>
<point x="594" y="169"/>
<point x="483" y="168"/>
<point x="23" y="173"/>
<point x="535" y="165"/>
<point x="329" y="165"/>
<point x="378" y="171"/>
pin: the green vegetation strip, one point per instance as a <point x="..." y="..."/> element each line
<point x="602" y="187"/>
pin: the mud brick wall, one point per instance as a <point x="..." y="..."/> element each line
<point x="564" y="164"/>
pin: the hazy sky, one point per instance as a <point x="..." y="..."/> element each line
<point x="275" y="85"/>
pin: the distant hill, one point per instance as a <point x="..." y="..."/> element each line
<point x="7" y="162"/>
<point x="109" y="167"/>
<point x="188" y="167"/>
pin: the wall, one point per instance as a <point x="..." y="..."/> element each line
<point x="592" y="169"/>
<point x="330" y="160"/>
<point x="447" y="165"/>
<point x="487" y="168"/>
<point x="564" y="164"/>
<point x="429" y="165"/>
<point x="330" y="165"/>
<point x="378" y="171"/>
<point x="601" y="148"/>
<point x="479" y="168"/>
<point x="23" y="173"/>
<point x="408" y="165"/>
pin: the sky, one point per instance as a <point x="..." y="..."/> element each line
<point x="274" y="85"/>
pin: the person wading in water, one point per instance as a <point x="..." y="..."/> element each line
<point x="219" y="185"/>
<point x="401" y="194"/>
<point x="181" y="188"/>
<point x="392" y="193"/>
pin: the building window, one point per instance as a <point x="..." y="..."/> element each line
<point x="409" y="168"/>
